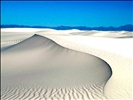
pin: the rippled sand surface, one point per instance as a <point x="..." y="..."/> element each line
<point x="41" y="64"/>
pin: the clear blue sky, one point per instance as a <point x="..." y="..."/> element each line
<point x="67" y="13"/>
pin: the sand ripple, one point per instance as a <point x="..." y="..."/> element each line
<point x="39" y="93"/>
<point x="40" y="69"/>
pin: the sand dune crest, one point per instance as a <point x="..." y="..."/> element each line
<point x="39" y="61"/>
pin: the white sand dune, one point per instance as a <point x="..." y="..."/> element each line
<point x="38" y="68"/>
<point x="18" y="30"/>
<point x="57" y="66"/>
<point x="112" y="34"/>
<point x="116" y="52"/>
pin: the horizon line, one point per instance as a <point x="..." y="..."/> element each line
<point x="61" y="25"/>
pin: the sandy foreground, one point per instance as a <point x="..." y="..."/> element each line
<point x="39" y="64"/>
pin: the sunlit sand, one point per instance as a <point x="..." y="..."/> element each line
<point x="65" y="64"/>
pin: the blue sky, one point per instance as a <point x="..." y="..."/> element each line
<point x="67" y="13"/>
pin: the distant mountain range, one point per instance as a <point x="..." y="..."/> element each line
<point x="128" y="27"/>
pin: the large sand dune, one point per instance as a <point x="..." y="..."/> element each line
<point x="58" y="65"/>
<point x="38" y="61"/>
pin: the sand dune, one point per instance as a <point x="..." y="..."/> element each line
<point x="54" y="66"/>
<point x="18" y="30"/>
<point x="112" y="34"/>
<point x="117" y="52"/>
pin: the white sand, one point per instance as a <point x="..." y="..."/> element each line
<point x="113" y="34"/>
<point x="116" y="52"/>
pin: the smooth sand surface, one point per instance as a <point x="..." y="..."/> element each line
<point x="112" y="34"/>
<point x="64" y="66"/>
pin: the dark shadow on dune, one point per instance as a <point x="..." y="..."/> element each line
<point x="40" y="61"/>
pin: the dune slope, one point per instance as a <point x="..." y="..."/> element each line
<point x="39" y="68"/>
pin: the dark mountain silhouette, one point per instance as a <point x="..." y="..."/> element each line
<point x="128" y="27"/>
